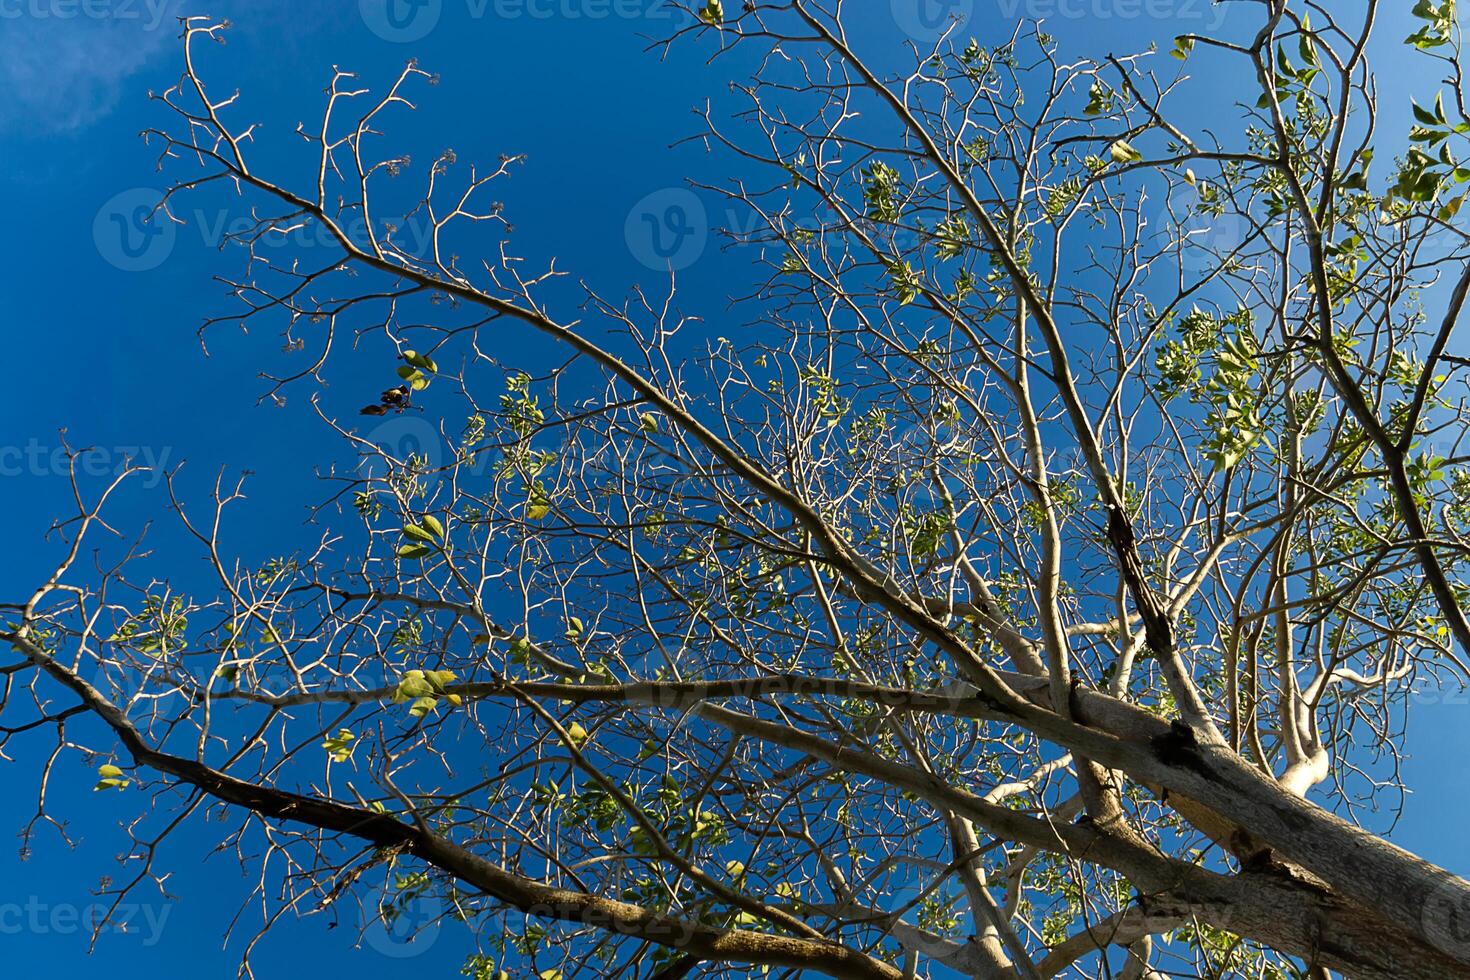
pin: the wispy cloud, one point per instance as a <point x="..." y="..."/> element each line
<point x="65" y="63"/>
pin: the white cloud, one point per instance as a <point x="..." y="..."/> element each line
<point x="65" y="63"/>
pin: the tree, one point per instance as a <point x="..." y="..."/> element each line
<point x="1035" y="587"/>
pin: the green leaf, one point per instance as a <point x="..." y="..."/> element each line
<point x="439" y="679"/>
<point x="413" y="684"/>
<point x="1308" y="52"/>
<point x="421" y="361"/>
<point x="339" y="747"/>
<point x="425" y="688"/>
<point x="112" y="778"/>
<point x="1424" y="115"/>
<point x="1123" y="152"/>
<point x="1099" y="99"/>
<point x="906" y="282"/>
<point x="431" y="524"/>
<point x="412" y="551"/>
<point x="417" y="533"/>
<point x="415" y="378"/>
<point x="1182" y="47"/>
<point x="713" y="12"/>
<point x="1440" y="21"/>
<point x="538" y="502"/>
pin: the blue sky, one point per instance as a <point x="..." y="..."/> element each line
<point x="100" y="331"/>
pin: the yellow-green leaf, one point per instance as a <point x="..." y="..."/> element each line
<point x="112" y="778"/>
<point x="421" y="361"/>
<point x="417" y="533"/>
<point x="1123" y="152"/>
<point x="340" y="746"/>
